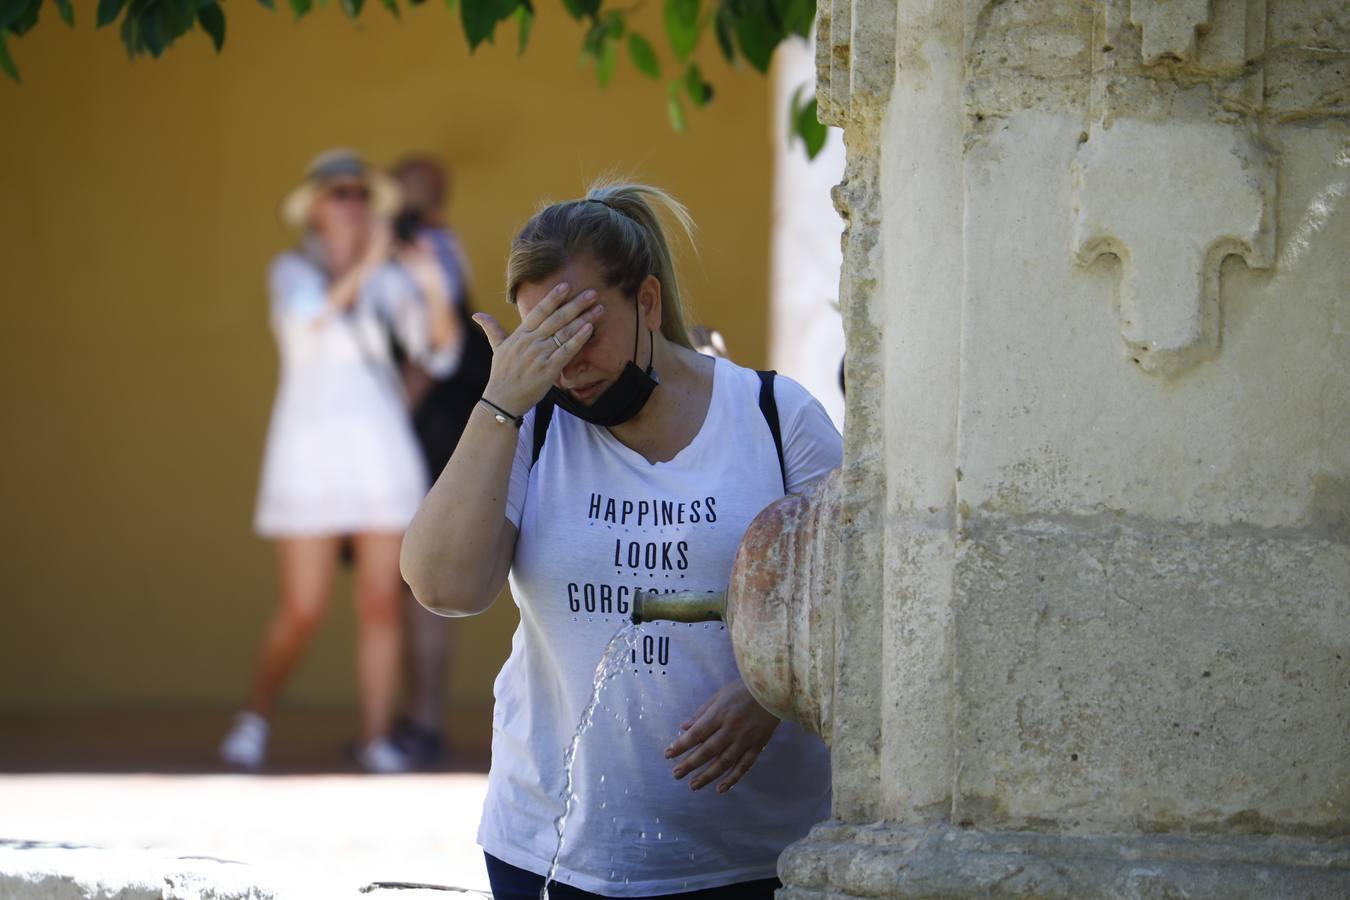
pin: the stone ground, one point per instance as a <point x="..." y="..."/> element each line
<point x="311" y="827"/>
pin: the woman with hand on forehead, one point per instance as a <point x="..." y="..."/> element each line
<point x="654" y="460"/>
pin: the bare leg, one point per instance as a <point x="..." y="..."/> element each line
<point x="429" y="643"/>
<point x="306" y="567"/>
<point x="379" y="595"/>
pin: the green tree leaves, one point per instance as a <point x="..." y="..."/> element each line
<point x="108" y="11"/>
<point x="212" y="19"/>
<point x="601" y="45"/>
<point x="582" y="9"/>
<point x="151" y="26"/>
<point x="643" y="56"/>
<point x="696" y="86"/>
<point x="675" y="109"/>
<point x="743" y="29"/>
<point x="724" y="25"/>
<point x="525" y="21"/>
<point x="6" y="62"/>
<point x="690" y="85"/>
<point x="804" y="123"/>
<point x="795" y="16"/>
<point x="759" y="26"/>
<point x="480" y="18"/>
<point x="682" y="26"/>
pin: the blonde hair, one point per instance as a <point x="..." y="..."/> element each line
<point x="617" y="225"/>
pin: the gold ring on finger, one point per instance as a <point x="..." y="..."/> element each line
<point x="557" y="342"/>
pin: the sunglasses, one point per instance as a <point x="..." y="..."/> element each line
<point x="346" y="193"/>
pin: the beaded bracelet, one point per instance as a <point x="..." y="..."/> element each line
<point x="502" y="415"/>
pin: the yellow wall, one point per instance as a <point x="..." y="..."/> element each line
<point x="136" y="368"/>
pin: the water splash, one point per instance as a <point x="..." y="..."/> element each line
<point x="612" y="662"/>
<point x="1320" y="209"/>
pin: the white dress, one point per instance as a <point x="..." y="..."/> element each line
<point x="341" y="456"/>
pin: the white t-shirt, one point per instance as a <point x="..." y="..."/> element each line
<point x="597" y="520"/>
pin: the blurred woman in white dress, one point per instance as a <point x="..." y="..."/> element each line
<point x="341" y="461"/>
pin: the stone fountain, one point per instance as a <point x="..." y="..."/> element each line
<point x="1074" y="616"/>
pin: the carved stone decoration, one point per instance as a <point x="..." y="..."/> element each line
<point x="1171" y="201"/>
<point x="1168" y="27"/>
<point x="1076" y="632"/>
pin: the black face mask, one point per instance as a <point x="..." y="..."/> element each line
<point x="623" y="399"/>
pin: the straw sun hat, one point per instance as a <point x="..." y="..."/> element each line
<point x="329" y="166"/>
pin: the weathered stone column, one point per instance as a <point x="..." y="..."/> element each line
<point x="1093" y="530"/>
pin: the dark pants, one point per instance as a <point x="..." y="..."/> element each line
<point x="510" y="883"/>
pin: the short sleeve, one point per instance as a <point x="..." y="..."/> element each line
<point x="520" y="471"/>
<point x="296" y="289"/>
<point x="812" y="447"/>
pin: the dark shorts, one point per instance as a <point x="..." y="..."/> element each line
<point x="510" y="883"/>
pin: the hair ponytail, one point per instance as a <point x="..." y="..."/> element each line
<point x="618" y="225"/>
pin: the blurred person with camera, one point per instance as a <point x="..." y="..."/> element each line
<point x="441" y="408"/>
<point x="341" y="464"/>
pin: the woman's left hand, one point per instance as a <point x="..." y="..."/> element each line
<point x="726" y="736"/>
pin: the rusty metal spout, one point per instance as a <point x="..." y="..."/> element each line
<point x="679" y="606"/>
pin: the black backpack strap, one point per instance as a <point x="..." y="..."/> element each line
<point x="768" y="405"/>
<point x="543" y="414"/>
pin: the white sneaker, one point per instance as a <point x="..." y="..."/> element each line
<point x="382" y="757"/>
<point x="245" y="746"/>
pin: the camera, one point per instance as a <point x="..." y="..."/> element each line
<point x="406" y="226"/>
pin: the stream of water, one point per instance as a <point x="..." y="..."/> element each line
<point x="612" y="662"/>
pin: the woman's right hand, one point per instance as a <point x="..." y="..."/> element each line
<point x="344" y="291"/>
<point x="527" y="362"/>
